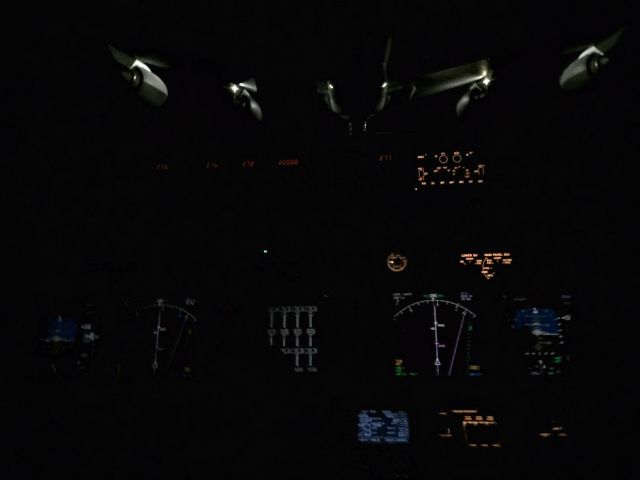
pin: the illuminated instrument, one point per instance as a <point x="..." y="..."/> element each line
<point x="449" y="168"/>
<point x="546" y="351"/>
<point x="396" y="262"/>
<point x="171" y="333"/>
<point x="474" y="429"/>
<point x="383" y="427"/>
<point x="433" y="336"/>
<point x="486" y="261"/>
<point x="69" y="341"/>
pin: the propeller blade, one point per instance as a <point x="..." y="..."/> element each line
<point x="154" y="61"/>
<point x="255" y="109"/>
<point x="604" y="46"/>
<point x="249" y="85"/>
<point x="463" y="103"/>
<point x="610" y="42"/>
<point x="451" y="78"/>
<point x="122" y="58"/>
<point x="387" y="51"/>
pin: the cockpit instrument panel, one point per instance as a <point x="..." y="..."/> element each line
<point x="383" y="427"/>
<point x="473" y="428"/>
<point x="486" y="261"/>
<point x="545" y="326"/>
<point x="455" y="167"/>
<point x="168" y="341"/>
<point x="434" y="335"/>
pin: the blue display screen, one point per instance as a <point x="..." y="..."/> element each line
<point x="383" y="427"/>
<point x="60" y="329"/>
<point x="541" y="321"/>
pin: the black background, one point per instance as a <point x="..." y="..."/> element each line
<point x="89" y="219"/>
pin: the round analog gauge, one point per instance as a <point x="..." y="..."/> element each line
<point x="396" y="262"/>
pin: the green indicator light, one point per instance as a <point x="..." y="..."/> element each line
<point x="557" y="359"/>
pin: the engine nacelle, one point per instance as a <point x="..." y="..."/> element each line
<point x="582" y="70"/>
<point x="147" y="85"/>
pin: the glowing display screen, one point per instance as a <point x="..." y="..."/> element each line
<point x="540" y="321"/>
<point x="434" y="336"/>
<point x="542" y="329"/>
<point x="60" y="328"/>
<point x="448" y="168"/>
<point x="167" y="331"/>
<point x="383" y="427"/>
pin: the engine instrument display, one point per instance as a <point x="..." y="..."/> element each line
<point x="448" y="168"/>
<point x="433" y="336"/>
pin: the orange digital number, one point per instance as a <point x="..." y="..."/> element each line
<point x="289" y="162"/>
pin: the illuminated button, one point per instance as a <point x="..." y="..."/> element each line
<point x="443" y="158"/>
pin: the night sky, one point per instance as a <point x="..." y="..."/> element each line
<point x="90" y="219"/>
